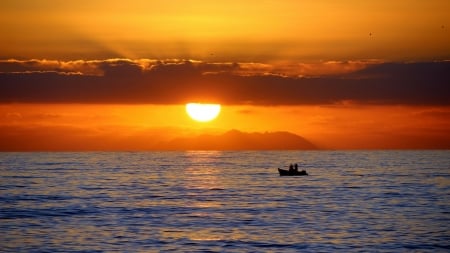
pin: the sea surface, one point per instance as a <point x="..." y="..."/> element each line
<point x="211" y="201"/>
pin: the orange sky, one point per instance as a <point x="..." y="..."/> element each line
<point x="97" y="75"/>
<point x="231" y="30"/>
<point x="136" y="127"/>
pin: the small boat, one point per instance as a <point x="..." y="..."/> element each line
<point x="292" y="173"/>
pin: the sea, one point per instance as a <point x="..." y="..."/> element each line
<point x="225" y="201"/>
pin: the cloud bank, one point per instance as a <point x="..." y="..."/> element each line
<point x="180" y="81"/>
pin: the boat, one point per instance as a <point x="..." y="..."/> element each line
<point x="292" y="172"/>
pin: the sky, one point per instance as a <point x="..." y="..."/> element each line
<point x="102" y="75"/>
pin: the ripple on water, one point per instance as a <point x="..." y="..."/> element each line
<point x="225" y="201"/>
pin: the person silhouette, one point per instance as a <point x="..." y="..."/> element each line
<point x="291" y="168"/>
<point x="296" y="167"/>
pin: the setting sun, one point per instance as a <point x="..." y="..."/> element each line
<point x="202" y="112"/>
<point x="161" y="75"/>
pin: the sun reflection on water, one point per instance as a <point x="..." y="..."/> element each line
<point x="173" y="201"/>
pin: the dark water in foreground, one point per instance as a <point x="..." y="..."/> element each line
<point x="225" y="202"/>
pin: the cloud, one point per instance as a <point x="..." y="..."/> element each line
<point x="179" y="81"/>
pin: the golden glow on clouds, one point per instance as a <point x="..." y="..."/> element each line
<point x="284" y="68"/>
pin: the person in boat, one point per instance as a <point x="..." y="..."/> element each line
<point x="291" y="168"/>
<point x="296" y="167"/>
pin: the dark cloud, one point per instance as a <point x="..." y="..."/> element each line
<point x="172" y="82"/>
<point x="120" y="69"/>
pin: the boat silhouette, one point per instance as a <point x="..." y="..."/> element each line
<point x="292" y="172"/>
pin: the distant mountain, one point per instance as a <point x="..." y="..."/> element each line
<point x="237" y="140"/>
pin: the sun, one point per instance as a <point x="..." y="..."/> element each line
<point x="202" y="112"/>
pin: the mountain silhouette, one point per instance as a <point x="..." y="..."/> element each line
<point x="237" y="140"/>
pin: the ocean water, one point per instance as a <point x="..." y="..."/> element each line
<point x="204" y="201"/>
